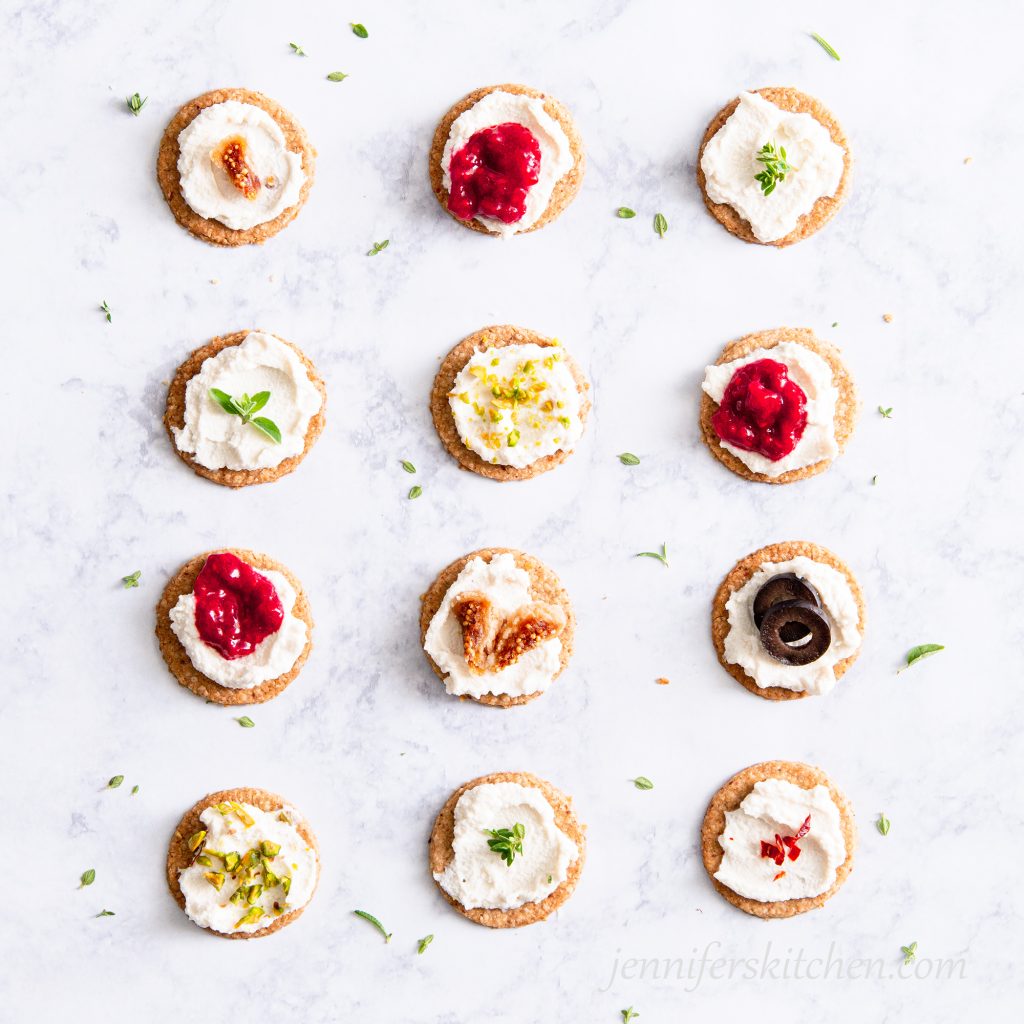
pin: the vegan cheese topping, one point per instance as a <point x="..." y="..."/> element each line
<point x="490" y="637"/>
<point x="235" y="166"/>
<point x="515" y="404"/>
<point x="508" y="848"/>
<point x="777" y="408"/>
<point x="502" y="160"/>
<point x="791" y="623"/>
<point x="731" y="166"/>
<point x="782" y="843"/>
<point x="248" y="867"/>
<point x="260" y="364"/>
<point x="237" y="625"/>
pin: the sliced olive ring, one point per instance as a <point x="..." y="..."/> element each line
<point x="781" y="620"/>
<point x="787" y="586"/>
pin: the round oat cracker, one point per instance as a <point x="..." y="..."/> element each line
<point x="847" y="404"/>
<point x="177" y="657"/>
<point x="179" y="856"/>
<point x="452" y="365"/>
<point x="544" y="586"/>
<point x="210" y="230"/>
<point x="732" y="794"/>
<point x="440" y="852"/>
<point x="738" y="576"/>
<point x="823" y="210"/>
<point x="566" y="188"/>
<point x="174" y="416"/>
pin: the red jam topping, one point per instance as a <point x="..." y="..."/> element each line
<point x="785" y="846"/>
<point x="492" y="173"/>
<point x="236" y="607"/>
<point x="762" y="410"/>
<point x="232" y="155"/>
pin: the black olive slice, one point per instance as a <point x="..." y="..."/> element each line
<point x="787" y="586"/>
<point x="778" y="622"/>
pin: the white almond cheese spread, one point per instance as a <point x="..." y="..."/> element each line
<point x="274" y="655"/>
<point x="730" y="164"/>
<point x="743" y="645"/>
<point x="516" y="404"/>
<point x="220" y="440"/>
<point x="226" y="833"/>
<point x="776" y="806"/>
<point x="205" y="184"/>
<point x="478" y="877"/>
<point x="556" y="159"/>
<point x="813" y="375"/>
<point x="507" y="587"/>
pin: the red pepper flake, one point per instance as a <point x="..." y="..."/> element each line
<point x="662" y="681"/>
<point x="231" y="155"/>
<point x="778" y="876"/>
<point x="785" y="846"/>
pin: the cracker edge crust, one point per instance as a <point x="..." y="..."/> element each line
<point x="544" y="585"/>
<point x="496" y="336"/>
<point x="178" y="854"/>
<point x="825" y="207"/>
<point x="731" y="795"/>
<point x="847" y="405"/>
<point x="176" y="657"/>
<point x="208" y="229"/>
<point x="174" y="414"/>
<point x="440" y="852"/>
<point x="565" y="189"/>
<point x="738" y="576"/>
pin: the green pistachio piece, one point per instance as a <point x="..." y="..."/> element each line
<point x="224" y="808"/>
<point x="254" y="893"/>
<point x="252" y="859"/>
<point x="196" y="840"/>
<point x="270" y="880"/>
<point x="280" y="907"/>
<point x="215" y="878"/>
<point x="286" y="884"/>
<point x="269" y="849"/>
<point x="243" y="815"/>
<point x="284" y="817"/>
<point x="251" y="917"/>
<point x="207" y="862"/>
<point x="238" y="896"/>
<point x="231" y="861"/>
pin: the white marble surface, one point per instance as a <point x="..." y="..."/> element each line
<point x="366" y="742"/>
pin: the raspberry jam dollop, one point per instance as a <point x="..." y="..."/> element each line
<point x="236" y="607"/>
<point x="492" y="173"/>
<point x="762" y="410"/>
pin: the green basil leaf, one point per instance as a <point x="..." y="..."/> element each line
<point x="246" y="722"/>
<point x="359" y="30"/>
<point x="416" y="491"/>
<point x="625" y="213"/>
<point x="642" y="782"/>
<point x="660" y="224"/>
<point x="629" y="459"/>
<point x="337" y="76"/>
<point x="269" y="427"/>
<point x="88" y="877"/>
<point x="915" y="654"/>
<point x="225" y="401"/>
<point x="115" y="782"/>
<point x="408" y="466"/>
<point x="258" y="400"/>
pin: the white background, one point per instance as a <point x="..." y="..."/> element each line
<point x="365" y="742"/>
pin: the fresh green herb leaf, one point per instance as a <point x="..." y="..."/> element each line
<point x="245" y="407"/>
<point x="415" y="491"/>
<point x="775" y="167"/>
<point x="909" y="953"/>
<point x="836" y="324"/>
<point x="642" y="782"/>
<point x="376" y="924"/>
<point x="105" y="913"/>
<point x="421" y="947"/>
<point x="874" y="480"/>
<point x="826" y="46"/>
<point x="88" y="877"/>
<point x="269" y="427"/>
<point x="629" y="459"/>
<point x="359" y="30"/>
<point x="135" y="790"/>
<point x="549" y="879"/>
<point x="625" y="213"/>
<point x="660" y="224"/>
<point x="408" y="466"/>
<point x="379" y="247"/>
<point x="104" y="308"/>
<point x="506" y="842"/>
<point x="883" y="824"/>
<point x="131" y="580"/>
<point x="298" y="50"/>
<point x="136" y="103"/>
<point x="628" y="1015"/>
<point x="661" y="556"/>
<point x="915" y="654"/>
<point x="246" y="722"/>
<point x="115" y="782"/>
<point x="886" y="413"/>
<point x="337" y="76"/>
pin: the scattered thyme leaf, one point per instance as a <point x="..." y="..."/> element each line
<point x="909" y="953"/>
<point x="825" y="45"/>
<point x="507" y="842"/>
<point x="408" y="466"/>
<point x="105" y="913"/>
<point x="115" y="782"/>
<point x="379" y="247"/>
<point x="629" y="459"/>
<point x="359" y="30"/>
<point x="628" y="1015"/>
<point x="135" y="790"/>
<point x="886" y="413"/>
<point x="88" y="877"/>
<point x="337" y="76"/>
<point x="376" y="924"/>
<point x="660" y="224"/>
<point x="775" y="167"/>
<point x="104" y="308"/>
<point x="642" y="782"/>
<point x="131" y="580"/>
<point x="246" y="722"/>
<point x="421" y="946"/>
<point x="883" y="824"/>
<point x="915" y="654"/>
<point x="661" y="556"/>
<point x="415" y="491"/>
<point x="298" y="50"/>
<point x="625" y="213"/>
<point x="135" y="103"/>
<point x="874" y="480"/>
<point x="836" y="324"/>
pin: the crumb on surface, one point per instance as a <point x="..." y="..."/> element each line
<point x="968" y="159"/>
<point x="214" y="280"/>
<point x="887" y="317"/>
<point x="661" y="681"/>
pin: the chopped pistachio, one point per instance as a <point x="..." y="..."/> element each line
<point x="252" y="859"/>
<point x="231" y="861"/>
<point x="224" y="808"/>
<point x="286" y="884"/>
<point x="251" y="917"/>
<point x="284" y="817"/>
<point x="269" y="849"/>
<point x="254" y="892"/>
<point x="196" y="840"/>
<point x="206" y="861"/>
<point x="270" y="880"/>
<point x="238" y="896"/>
<point x="215" y="878"/>
<point x="243" y="815"/>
